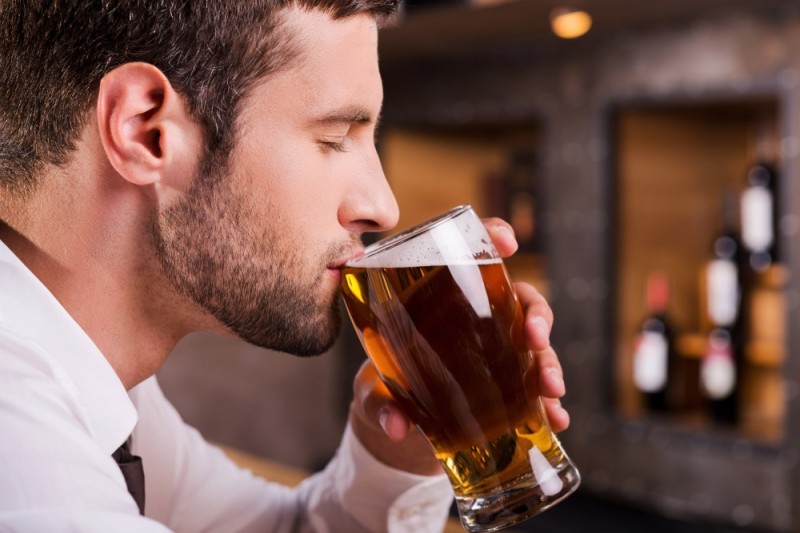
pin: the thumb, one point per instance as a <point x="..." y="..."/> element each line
<point x="374" y="406"/>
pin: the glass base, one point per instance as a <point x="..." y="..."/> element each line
<point x="518" y="501"/>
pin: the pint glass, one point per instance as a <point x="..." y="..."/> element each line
<point x="436" y="313"/>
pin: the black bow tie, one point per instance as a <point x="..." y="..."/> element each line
<point x="132" y="471"/>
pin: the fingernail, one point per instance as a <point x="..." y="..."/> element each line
<point x="383" y="419"/>
<point x="555" y="377"/>
<point x="541" y="325"/>
<point x="505" y="230"/>
<point x="564" y="413"/>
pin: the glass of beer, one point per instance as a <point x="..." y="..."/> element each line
<point x="437" y="315"/>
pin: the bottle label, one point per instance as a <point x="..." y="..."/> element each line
<point x="756" y="207"/>
<point x="722" y="278"/>
<point x="650" y="362"/>
<point x="718" y="369"/>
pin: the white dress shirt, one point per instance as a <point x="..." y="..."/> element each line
<point x="63" y="412"/>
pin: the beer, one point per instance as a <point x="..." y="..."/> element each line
<point x="435" y="310"/>
<point x="447" y="340"/>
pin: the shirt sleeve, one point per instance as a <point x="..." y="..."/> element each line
<point x="192" y="486"/>
<point x="374" y="497"/>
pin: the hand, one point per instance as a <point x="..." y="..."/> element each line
<point x="386" y="432"/>
<point x="383" y="428"/>
<point x="538" y="323"/>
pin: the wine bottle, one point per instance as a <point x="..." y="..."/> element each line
<point x="654" y="355"/>
<point x="759" y="217"/>
<point x="759" y="209"/>
<point x="719" y="374"/>
<point x="522" y="202"/>
<point x="720" y="366"/>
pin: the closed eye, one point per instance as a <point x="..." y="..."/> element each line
<point x="327" y="146"/>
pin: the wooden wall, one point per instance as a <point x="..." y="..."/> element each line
<point x="431" y="170"/>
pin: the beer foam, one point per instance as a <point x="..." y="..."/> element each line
<point x="397" y="259"/>
<point x="460" y="240"/>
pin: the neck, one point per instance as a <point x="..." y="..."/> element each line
<point x="90" y="246"/>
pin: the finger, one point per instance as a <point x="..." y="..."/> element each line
<point x="550" y="375"/>
<point x="556" y="414"/>
<point x="393" y="422"/>
<point x="383" y="429"/>
<point x="374" y="404"/>
<point x="538" y="316"/>
<point x="502" y="235"/>
<point x="545" y="377"/>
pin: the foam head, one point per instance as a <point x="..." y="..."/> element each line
<point x="455" y="237"/>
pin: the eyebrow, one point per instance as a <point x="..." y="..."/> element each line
<point x="347" y="115"/>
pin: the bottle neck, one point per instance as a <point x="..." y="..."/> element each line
<point x="657" y="298"/>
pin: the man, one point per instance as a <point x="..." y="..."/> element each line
<point x="167" y="167"/>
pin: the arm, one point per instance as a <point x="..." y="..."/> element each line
<point x="193" y="486"/>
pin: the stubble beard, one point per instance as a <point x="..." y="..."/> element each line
<point x="251" y="282"/>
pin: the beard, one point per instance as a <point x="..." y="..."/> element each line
<point x="256" y="283"/>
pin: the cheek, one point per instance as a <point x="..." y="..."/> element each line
<point x="302" y="186"/>
<point x="308" y="184"/>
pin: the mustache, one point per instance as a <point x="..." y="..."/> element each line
<point x="341" y="250"/>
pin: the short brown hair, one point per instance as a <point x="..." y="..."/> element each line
<point x="53" y="54"/>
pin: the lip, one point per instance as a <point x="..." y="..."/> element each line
<point x="339" y="263"/>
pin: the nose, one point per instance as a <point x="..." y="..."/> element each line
<point x="370" y="204"/>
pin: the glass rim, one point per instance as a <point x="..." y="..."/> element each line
<point x="399" y="238"/>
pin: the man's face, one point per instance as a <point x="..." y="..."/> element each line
<point x="257" y="244"/>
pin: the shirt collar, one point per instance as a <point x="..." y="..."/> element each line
<point x="30" y="309"/>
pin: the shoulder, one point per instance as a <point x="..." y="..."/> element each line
<point x="23" y="361"/>
<point x="35" y="392"/>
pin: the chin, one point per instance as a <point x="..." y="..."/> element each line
<point x="322" y="339"/>
<point x="308" y="337"/>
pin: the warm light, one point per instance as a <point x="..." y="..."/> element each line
<point x="570" y="23"/>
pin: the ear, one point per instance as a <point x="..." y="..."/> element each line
<point x="146" y="130"/>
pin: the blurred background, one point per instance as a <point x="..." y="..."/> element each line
<point x="648" y="160"/>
